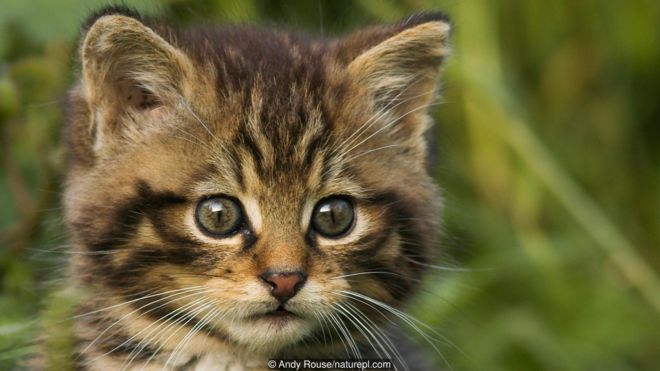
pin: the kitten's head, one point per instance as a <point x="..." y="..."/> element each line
<point x="265" y="183"/>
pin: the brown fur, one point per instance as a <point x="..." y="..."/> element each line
<point x="163" y="118"/>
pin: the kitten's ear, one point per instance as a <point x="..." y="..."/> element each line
<point x="128" y="66"/>
<point x="399" y="65"/>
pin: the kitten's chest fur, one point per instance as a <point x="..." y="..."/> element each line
<point x="222" y="359"/>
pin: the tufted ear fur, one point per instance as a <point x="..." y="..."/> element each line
<point x="128" y="69"/>
<point x="398" y="66"/>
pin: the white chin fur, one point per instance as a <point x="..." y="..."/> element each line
<point x="267" y="335"/>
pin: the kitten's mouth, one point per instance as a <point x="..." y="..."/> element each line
<point x="279" y="314"/>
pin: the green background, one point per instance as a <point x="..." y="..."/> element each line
<point x="549" y="160"/>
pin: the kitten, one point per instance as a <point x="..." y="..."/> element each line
<point x="236" y="194"/>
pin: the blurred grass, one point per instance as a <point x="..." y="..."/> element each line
<point x="549" y="161"/>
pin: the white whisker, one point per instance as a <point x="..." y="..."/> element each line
<point x="381" y="335"/>
<point x="359" y="326"/>
<point x="148" y="339"/>
<point x="409" y="320"/>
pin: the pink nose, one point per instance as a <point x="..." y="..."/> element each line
<point x="284" y="285"/>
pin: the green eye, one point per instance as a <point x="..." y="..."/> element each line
<point x="219" y="216"/>
<point x="333" y="217"/>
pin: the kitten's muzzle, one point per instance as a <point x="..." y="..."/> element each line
<point x="284" y="285"/>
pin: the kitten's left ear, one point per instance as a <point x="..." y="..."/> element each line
<point x="129" y="67"/>
<point x="399" y="65"/>
<point x="119" y="48"/>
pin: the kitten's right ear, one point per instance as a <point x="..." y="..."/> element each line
<point x="127" y="66"/>
<point x="398" y="66"/>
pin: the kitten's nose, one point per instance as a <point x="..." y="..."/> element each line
<point x="284" y="285"/>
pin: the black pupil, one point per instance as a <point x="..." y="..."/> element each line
<point x="217" y="210"/>
<point x="333" y="217"/>
<point x="219" y="215"/>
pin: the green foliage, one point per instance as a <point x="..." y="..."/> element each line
<point x="549" y="161"/>
<point x="57" y="317"/>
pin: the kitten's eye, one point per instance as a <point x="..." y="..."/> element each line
<point x="219" y="216"/>
<point x="333" y="217"/>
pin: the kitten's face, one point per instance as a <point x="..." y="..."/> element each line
<point x="267" y="194"/>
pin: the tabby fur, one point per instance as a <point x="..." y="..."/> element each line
<point x="162" y="118"/>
